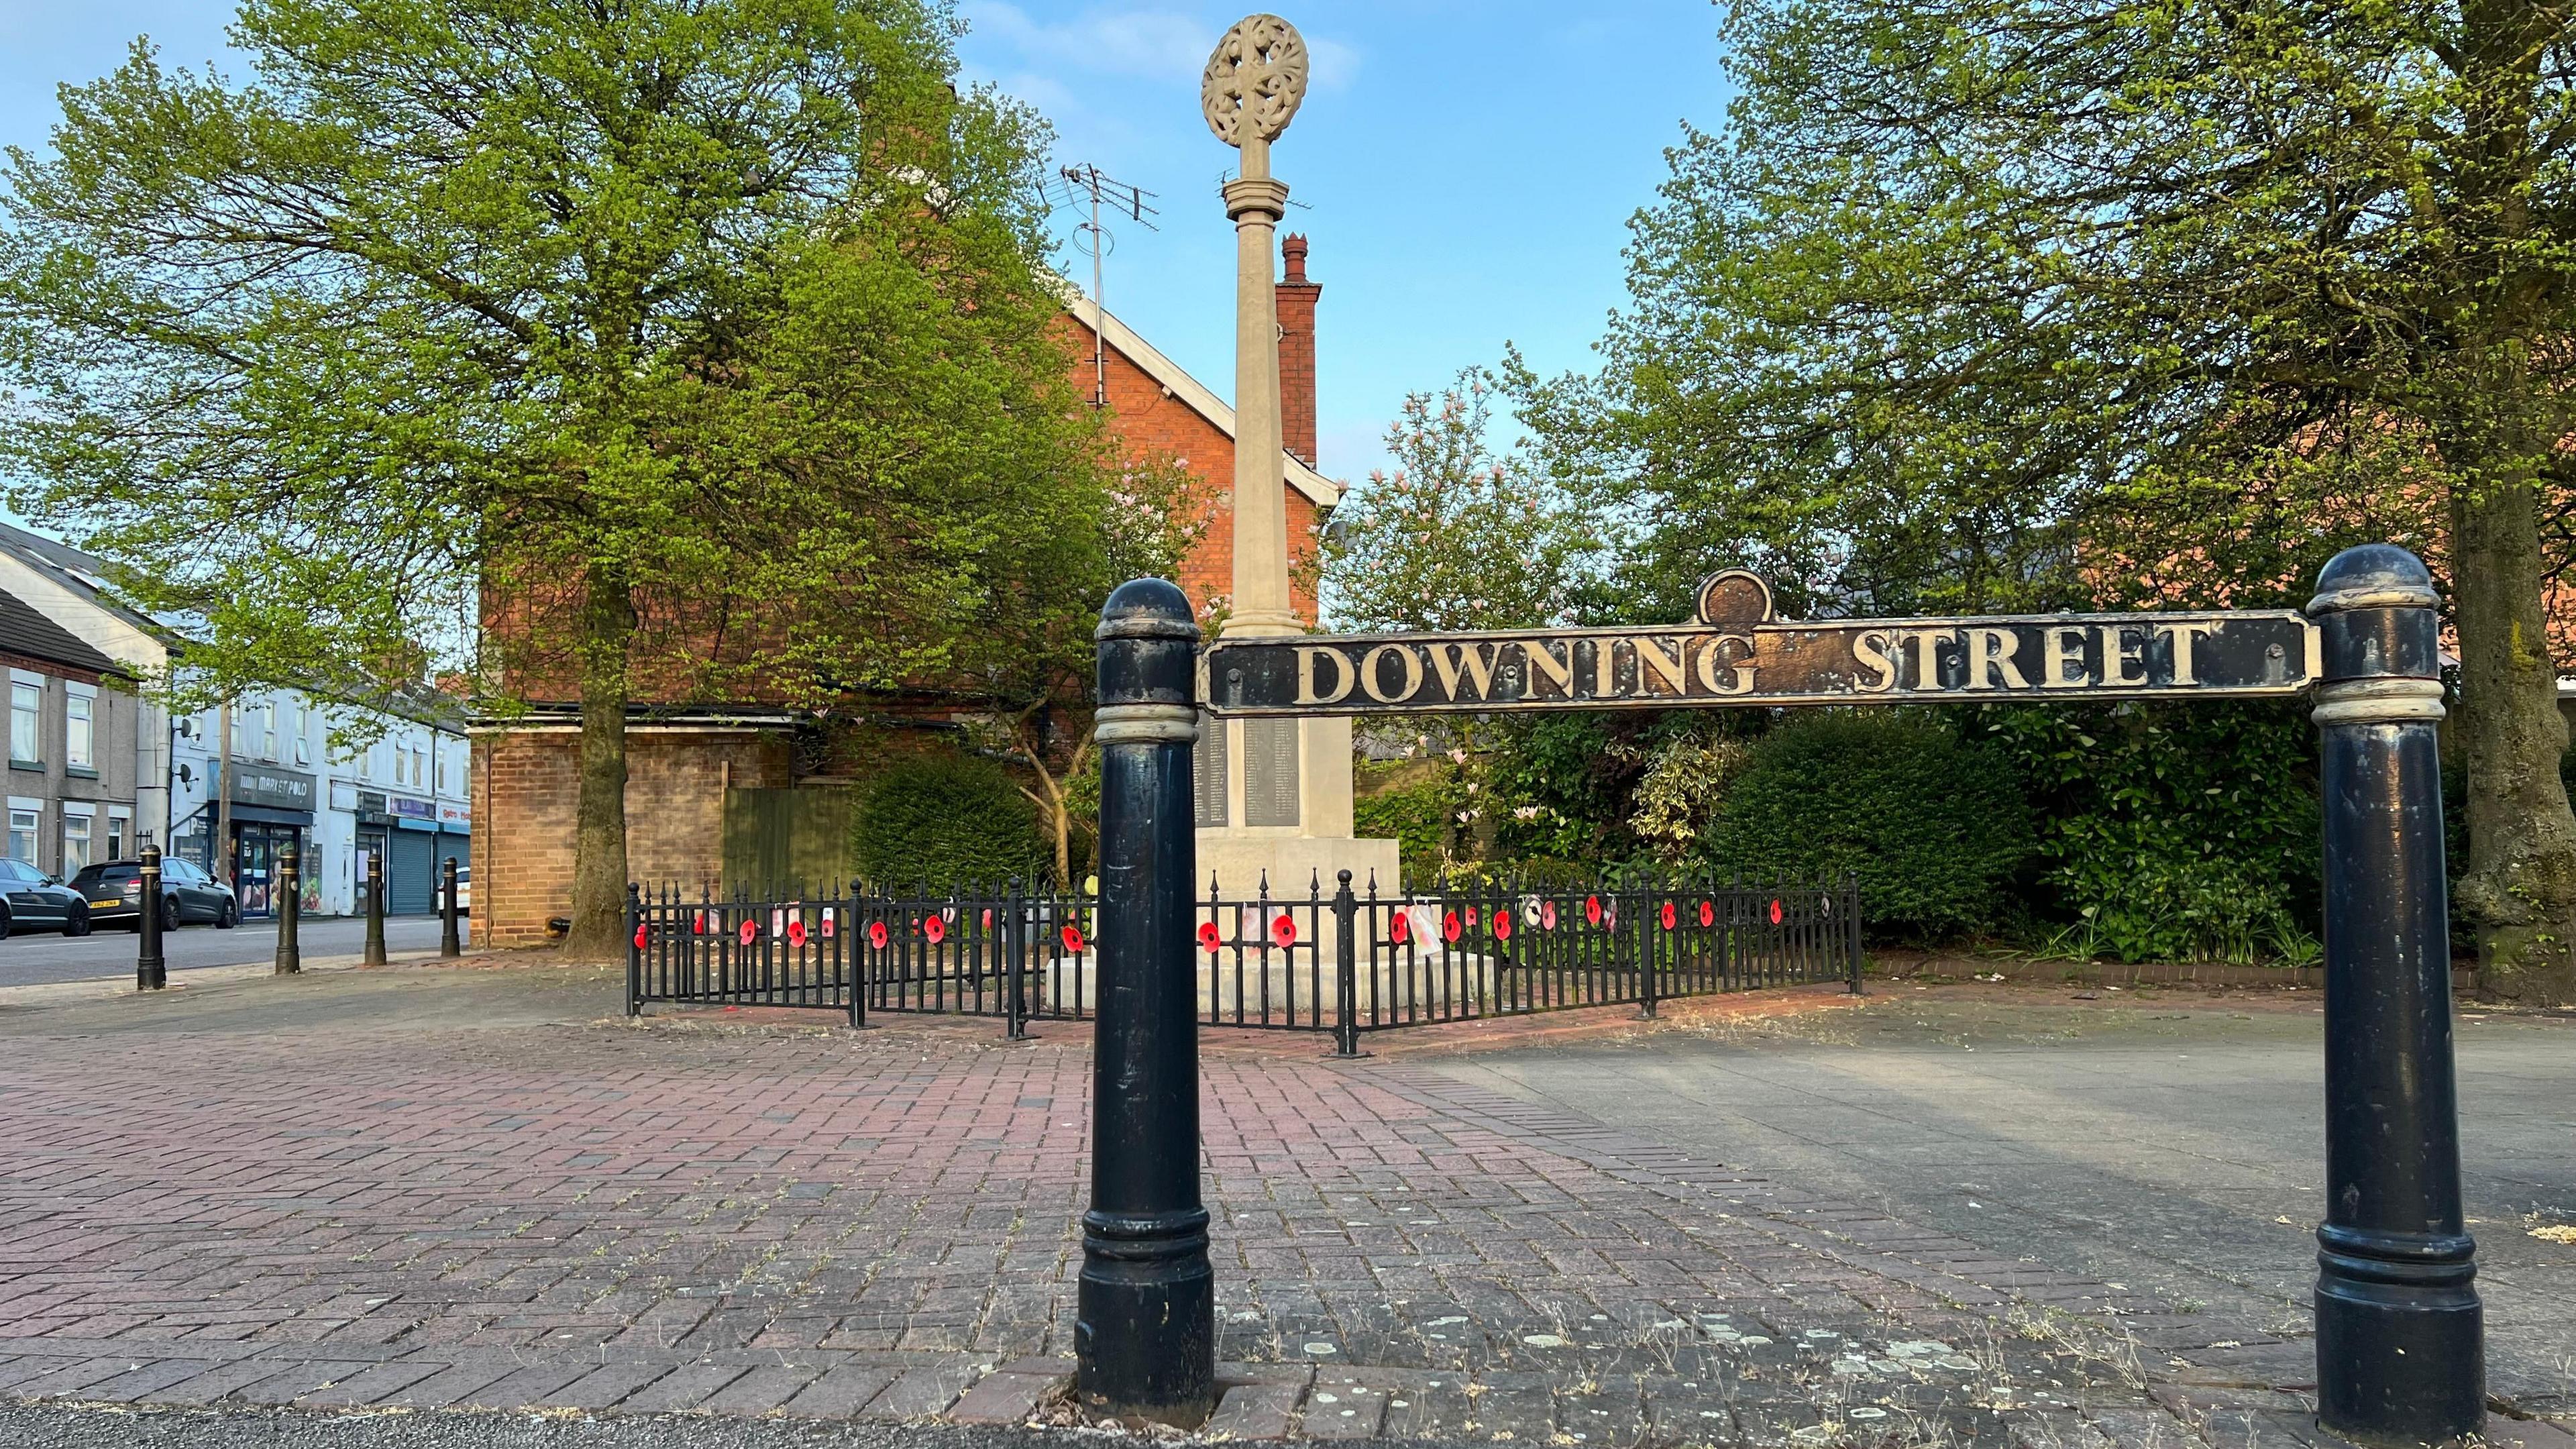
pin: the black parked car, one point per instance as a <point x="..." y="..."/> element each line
<point x="113" y="892"/>
<point x="35" y="901"/>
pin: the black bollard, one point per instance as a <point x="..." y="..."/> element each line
<point x="448" y="944"/>
<point x="2400" y="1349"/>
<point x="151" y="973"/>
<point x="289" y="896"/>
<point x="1145" y="1312"/>
<point x="375" y="952"/>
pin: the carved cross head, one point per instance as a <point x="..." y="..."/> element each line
<point x="1255" y="80"/>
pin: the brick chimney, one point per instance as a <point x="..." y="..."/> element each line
<point x="1297" y="352"/>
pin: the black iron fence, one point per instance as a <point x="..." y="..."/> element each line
<point x="1347" y="962"/>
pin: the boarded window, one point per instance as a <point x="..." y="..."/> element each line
<point x="1270" y="772"/>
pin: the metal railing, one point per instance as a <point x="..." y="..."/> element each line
<point x="1348" y="962"/>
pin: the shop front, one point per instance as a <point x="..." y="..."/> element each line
<point x="272" y="808"/>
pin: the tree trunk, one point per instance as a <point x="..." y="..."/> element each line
<point x="599" y="840"/>
<point x="2519" y="889"/>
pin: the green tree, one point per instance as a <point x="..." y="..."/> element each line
<point x="2019" y="303"/>
<point x="1457" y="537"/>
<point x="639" y="349"/>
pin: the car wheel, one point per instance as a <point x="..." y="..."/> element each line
<point x="76" y="921"/>
<point x="169" y="913"/>
<point x="230" y="916"/>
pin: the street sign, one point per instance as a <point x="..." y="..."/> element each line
<point x="1739" y="654"/>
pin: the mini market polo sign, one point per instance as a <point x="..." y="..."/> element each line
<point x="1739" y="653"/>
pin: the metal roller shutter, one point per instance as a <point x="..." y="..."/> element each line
<point x="411" y="873"/>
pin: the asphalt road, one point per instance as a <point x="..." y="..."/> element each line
<point x="2173" y="1143"/>
<point x="29" y="958"/>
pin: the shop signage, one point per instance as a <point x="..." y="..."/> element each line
<point x="405" y="807"/>
<point x="269" y="786"/>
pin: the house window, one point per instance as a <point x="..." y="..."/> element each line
<point x="80" y="732"/>
<point x="118" y="828"/>
<point x="76" y="842"/>
<point x="302" y="728"/>
<point x="26" y="706"/>
<point x="22" y="834"/>
<point x="268" y="730"/>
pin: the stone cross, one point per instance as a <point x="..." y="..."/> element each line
<point x="1253" y="85"/>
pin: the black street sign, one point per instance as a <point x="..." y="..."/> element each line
<point x="1738" y="654"/>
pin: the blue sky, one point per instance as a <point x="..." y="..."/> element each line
<point x="1470" y="165"/>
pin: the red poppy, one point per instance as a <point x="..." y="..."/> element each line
<point x="1449" y="926"/>
<point x="1547" y="916"/>
<point x="1592" y="909"/>
<point x="1073" y="939"/>
<point x="1399" y="930"/>
<point x="701" y="923"/>
<point x="936" y="929"/>
<point x="877" y="934"/>
<point x="1502" y="925"/>
<point x="1775" y="911"/>
<point x="830" y="923"/>
<point x="988" y="918"/>
<point x="641" y="932"/>
<point x="796" y="932"/>
<point x="1707" y="913"/>
<point x="1669" y="916"/>
<point x="750" y="932"/>
<point x="1283" y="931"/>
<point x="1471" y="915"/>
<point x="1210" y="938"/>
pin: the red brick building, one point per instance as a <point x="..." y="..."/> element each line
<point x="685" y="767"/>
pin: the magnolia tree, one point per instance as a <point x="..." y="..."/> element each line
<point x="1458" y="536"/>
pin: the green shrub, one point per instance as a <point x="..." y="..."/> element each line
<point x="947" y="821"/>
<point x="1416" y="817"/>
<point x="2169" y="832"/>
<point x="1934" y="828"/>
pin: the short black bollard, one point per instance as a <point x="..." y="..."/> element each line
<point x="151" y="973"/>
<point x="1145" y="1311"/>
<point x="289" y="899"/>
<point x="375" y="951"/>
<point x="2400" y="1347"/>
<point x="448" y="944"/>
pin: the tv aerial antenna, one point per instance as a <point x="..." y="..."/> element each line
<point x="1096" y="241"/>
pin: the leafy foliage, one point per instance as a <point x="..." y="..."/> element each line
<point x="1456" y="537"/>
<point x="1975" y="305"/>
<point x="1934" y="827"/>
<point x="2171" y="833"/>
<point x="695" y="347"/>
<point x="947" y="821"/>
<point x="1419" y="815"/>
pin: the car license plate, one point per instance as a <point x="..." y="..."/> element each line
<point x="103" y="905"/>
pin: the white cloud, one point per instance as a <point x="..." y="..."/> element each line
<point x="1161" y="44"/>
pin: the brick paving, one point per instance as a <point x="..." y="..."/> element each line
<point x="695" y="1215"/>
